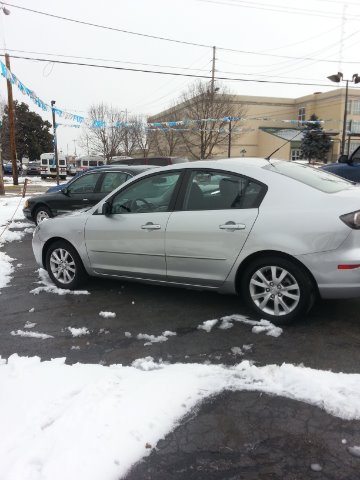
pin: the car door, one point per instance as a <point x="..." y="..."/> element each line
<point x="130" y="240"/>
<point x="80" y="193"/>
<point x="205" y="237"/>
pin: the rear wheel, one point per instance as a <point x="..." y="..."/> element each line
<point x="277" y="289"/>
<point x="41" y="213"/>
<point x="64" y="265"/>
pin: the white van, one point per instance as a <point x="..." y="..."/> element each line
<point x="48" y="165"/>
<point x="88" y="161"/>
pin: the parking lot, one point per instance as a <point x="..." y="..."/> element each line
<point x="234" y="435"/>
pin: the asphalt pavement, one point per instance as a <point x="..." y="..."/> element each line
<point x="236" y="435"/>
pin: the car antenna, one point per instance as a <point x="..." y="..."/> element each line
<point x="281" y="146"/>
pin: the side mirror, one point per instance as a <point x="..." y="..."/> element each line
<point x="65" y="191"/>
<point x="343" y="159"/>
<point x="106" y="209"/>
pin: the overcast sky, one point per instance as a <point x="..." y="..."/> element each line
<point x="276" y="34"/>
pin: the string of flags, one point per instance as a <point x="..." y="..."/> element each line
<point x="6" y="73"/>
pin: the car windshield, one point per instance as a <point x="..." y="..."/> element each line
<point x="313" y="177"/>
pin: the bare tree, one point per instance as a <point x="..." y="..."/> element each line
<point x="129" y="137"/>
<point x="207" y="111"/>
<point x="165" y="140"/>
<point x="104" y="134"/>
<point x="144" y="139"/>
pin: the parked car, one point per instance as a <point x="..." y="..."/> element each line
<point x="71" y="169"/>
<point x="33" y="168"/>
<point x="7" y="168"/>
<point x="275" y="232"/>
<point x="61" y="186"/>
<point x="159" y="161"/>
<point x="84" y="191"/>
<point x="346" y="167"/>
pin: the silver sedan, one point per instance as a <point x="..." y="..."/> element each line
<point x="277" y="233"/>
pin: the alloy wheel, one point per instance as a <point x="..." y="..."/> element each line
<point x="274" y="290"/>
<point x="62" y="266"/>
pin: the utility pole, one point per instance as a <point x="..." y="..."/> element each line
<point x="212" y="88"/>
<point x="229" y="140"/>
<point x="55" y="141"/>
<point x="11" y="125"/>
<point x="2" y="187"/>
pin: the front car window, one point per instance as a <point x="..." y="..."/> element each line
<point x="112" y="180"/>
<point x="84" y="184"/>
<point x="151" y="194"/>
<point x="313" y="177"/>
<point x="211" y="190"/>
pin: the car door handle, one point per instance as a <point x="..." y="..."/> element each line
<point x="151" y="226"/>
<point x="232" y="226"/>
<point x="85" y="199"/>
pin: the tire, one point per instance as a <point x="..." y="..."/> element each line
<point x="64" y="265"/>
<point x="41" y="213"/>
<point x="277" y="289"/>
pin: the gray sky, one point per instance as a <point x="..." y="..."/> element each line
<point x="269" y="30"/>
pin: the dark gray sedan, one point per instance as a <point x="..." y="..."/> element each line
<point x="84" y="191"/>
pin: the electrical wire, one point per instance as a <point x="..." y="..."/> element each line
<point x="177" y="74"/>
<point x="184" y="42"/>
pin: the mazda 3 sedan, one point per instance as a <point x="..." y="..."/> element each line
<point x="82" y="192"/>
<point x="276" y="233"/>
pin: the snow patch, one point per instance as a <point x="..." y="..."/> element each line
<point x="48" y="286"/>
<point x="21" y="333"/>
<point x="78" y="332"/>
<point x="107" y="314"/>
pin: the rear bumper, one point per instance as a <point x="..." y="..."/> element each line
<point x="334" y="282"/>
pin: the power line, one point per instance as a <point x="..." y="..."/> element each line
<point x="101" y="59"/>
<point x="104" y="27"/>
<point x="273" y="8"/>
<point x="184" y="42"/>
<point x="177" y="74"/>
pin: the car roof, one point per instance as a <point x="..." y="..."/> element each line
<point x="121" y="168"/>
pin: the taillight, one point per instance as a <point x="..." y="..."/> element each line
<point x="352" y="219"/>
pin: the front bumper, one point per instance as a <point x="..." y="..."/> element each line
<point x="37" y="246"/>
<point x="27" y="214"/>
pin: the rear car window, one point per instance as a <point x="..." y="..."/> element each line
<point x="313" y="177"/>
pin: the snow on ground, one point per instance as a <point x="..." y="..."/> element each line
<point x="48" y="286"/>
<point x="153" y="338"/>
<point x="107" y="314"/>
<point x="22" y="333"/>
<point x="32" y="180"/>
<point x="86" y="422"/>
<point x="78" y="332"/>
<point x="228" y="322"/>
<point x="10" y="210"/>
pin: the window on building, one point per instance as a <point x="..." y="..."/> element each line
<point x="353" y="147"/>
<point x="356" y="107"/>
<point x="349" y="106"/>
<point x="295" y="154"/>
<point x="355" y="126"/>
<point x="301" y="114"/>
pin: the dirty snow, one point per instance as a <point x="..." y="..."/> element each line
<point x="48" y="286"/>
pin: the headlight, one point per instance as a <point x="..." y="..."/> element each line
<point x="26" y="204"/>
<point x="352" y="219"/>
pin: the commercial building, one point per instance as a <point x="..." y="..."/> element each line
<point x="269" y="122"/>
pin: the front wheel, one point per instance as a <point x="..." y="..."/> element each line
<point x="42" y="213"/>
<point x="277" y="289"/>
<point x="64" y="265"/>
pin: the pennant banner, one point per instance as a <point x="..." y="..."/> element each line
<point x="6" y="73"/>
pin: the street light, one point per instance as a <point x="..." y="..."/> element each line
<point x="337" y="78"/>
<point x="55" y="140"/>
<point x="5" y="10"/>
